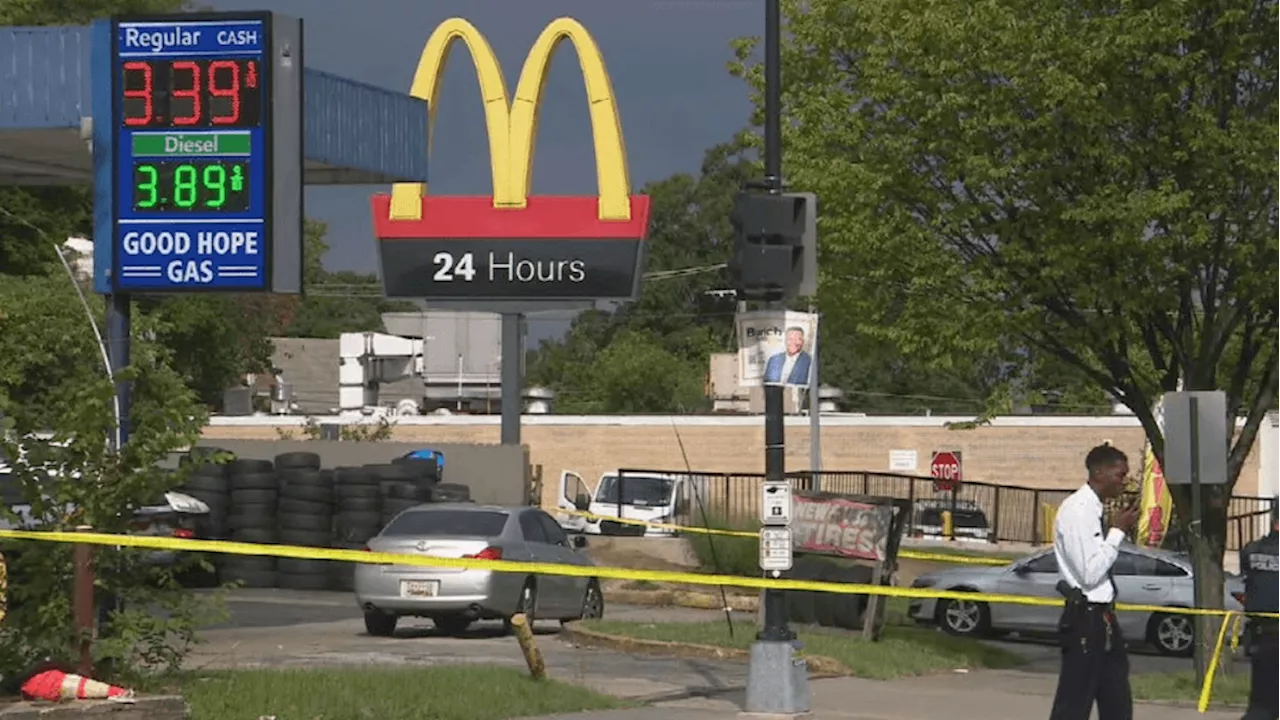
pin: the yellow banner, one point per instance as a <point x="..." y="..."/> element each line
<point x="1157" y="505"/>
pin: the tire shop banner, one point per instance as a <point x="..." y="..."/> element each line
<point x="775" y="347"/>
<point x="847" y="528"/>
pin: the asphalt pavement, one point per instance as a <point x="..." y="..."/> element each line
<point x="276" y="611"/>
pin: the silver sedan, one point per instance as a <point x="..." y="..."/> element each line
<point x="454" y="598"/>
<point x="1143" y="576"/>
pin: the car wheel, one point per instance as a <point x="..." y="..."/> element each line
<point x="526" y="605"/>
<point x="379" y="624"/>
<point x="452" y="624"/>
<point x="1173" y="635"/>
<point x="592" y="602"/>
<point x="965" y="618"/>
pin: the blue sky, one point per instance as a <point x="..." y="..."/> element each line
<point x="667" y="59"/>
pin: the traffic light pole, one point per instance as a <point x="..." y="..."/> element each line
<point x="777" y="681"/>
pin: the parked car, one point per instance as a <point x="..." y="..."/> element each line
<point x="1143" y="576"/>
<point x="968" y="519"/>
<point x="454" y="598"/>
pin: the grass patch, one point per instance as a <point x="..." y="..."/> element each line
<point x="1230" y="689"/>
<point x="727" y="554"/>
<point x="469" y="692"/>
<point x="901" y="652"/>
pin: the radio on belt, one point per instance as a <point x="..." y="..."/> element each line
<point x="775" y="503"/>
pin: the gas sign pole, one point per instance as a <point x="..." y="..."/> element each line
<point x="197" y="156"/>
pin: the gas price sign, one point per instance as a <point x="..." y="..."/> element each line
<point x="193" y="144"/>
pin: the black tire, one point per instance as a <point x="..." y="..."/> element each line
<point x="354" y="534"/>
<point x="298" y="460"/>
<point x="308" y="478"/>
<point x="452" y="625"/>
<point x="379" y="624"/>
<point x="354" y="476"/>
<point x="424" y="471"/>
<point x="1172" y="635"/>
<point x="358" y="505"/>
<point x="527" y="605"/>
<point x="254" y="481"/>
<point x="291" y="506"/>
<point x="305" y="538"/>
<point x="310" y="523"/>
<point x="244" y="498"/>
<point x="390" y="471"/>
<point x="964" y="618"/>
<point x="249" y="467"/>
<point x="357" y="492"/>
<point x="251" y="579"/>
<point x="592" y="602"/>
<point x="297" y="566"/>
<point x="342" y="577"/>
<point x="310" y="493"/>
<point x="217" y="502"/>
<point x="208" y="483"/>
<point x="256" y="535"/>
<point x="392" y="508"/>
<point x="249" y="563"/>
<point x="405" y="491"/>
<point x="451" y="492"/>
<point x="251" y="520"/>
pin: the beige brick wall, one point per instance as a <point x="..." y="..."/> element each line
<point x="1038" y="456"/>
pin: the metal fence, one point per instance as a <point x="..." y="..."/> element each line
<point x="1005" y="513"/>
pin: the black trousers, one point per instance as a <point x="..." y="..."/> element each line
<point x="1093" y="669"/>
<point x="1264" y="693"/>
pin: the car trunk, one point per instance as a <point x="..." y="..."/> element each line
<point x="444" y="547"/>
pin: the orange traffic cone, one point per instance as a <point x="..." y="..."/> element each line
<point x="55" y="685"/>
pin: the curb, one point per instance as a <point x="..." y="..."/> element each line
<point x="683" y="598"/>
<point x="819" y="666"/>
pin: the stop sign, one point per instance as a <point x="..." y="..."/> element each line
<point x="946" y="470"/>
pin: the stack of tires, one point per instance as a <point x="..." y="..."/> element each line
<point x="207" y="483"/>
<point x="252" y="519"/>
<point x="402" y="485"/>
<point x="357" y="517"/>
<point x="305" y="518"/>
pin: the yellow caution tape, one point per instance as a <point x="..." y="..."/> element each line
<point x="588" y="571"/>
<point x="1207" y="689"/>
<point x="902" y="553"/>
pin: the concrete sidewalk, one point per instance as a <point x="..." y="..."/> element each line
<point x="990" y="695"/>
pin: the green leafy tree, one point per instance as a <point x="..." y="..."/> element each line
<point x="53" y="383"/>
<point x="337" y="301"/>
<point x="1093" y="184"/>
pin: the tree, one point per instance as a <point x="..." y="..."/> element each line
<point x="1091" y="183"/>
<point x="52" y="380"/>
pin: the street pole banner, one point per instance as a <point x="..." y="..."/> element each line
<point x="775" y="347"/>
<point x="1156" y="504"/>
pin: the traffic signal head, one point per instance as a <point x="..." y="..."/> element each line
<point x="775" y="245"/>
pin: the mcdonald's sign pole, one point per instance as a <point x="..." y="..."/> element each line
<point x="514" y="252"/>
<point x="769" y="264"/>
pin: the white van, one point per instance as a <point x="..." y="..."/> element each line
<point x="648" y="497"/>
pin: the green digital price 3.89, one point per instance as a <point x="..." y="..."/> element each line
<point x="198" y="186"/>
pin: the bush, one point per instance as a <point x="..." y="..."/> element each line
<point x="55" y="428"/>
<point x="726" y="554"/>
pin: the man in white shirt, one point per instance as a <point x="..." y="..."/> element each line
<point x="1095" y="665"/>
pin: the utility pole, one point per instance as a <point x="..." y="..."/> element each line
<point x="777" y="681"/>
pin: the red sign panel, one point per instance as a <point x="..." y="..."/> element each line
<point x="841" y="527"/>
<point x="946" y="470"/>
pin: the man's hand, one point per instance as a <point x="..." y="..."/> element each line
<point x="1126" y="518"/>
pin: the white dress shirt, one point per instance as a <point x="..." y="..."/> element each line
<point x="788" y="365"/>
<point x="1084" y="556"/>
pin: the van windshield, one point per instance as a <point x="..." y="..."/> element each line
<point x="641" y="490"/>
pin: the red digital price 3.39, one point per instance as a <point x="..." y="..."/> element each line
<point x="191" y="93"/>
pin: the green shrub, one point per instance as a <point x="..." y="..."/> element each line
<point x="726" y="554"/>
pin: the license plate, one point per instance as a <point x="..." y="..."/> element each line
<point x="419" y="588"/>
